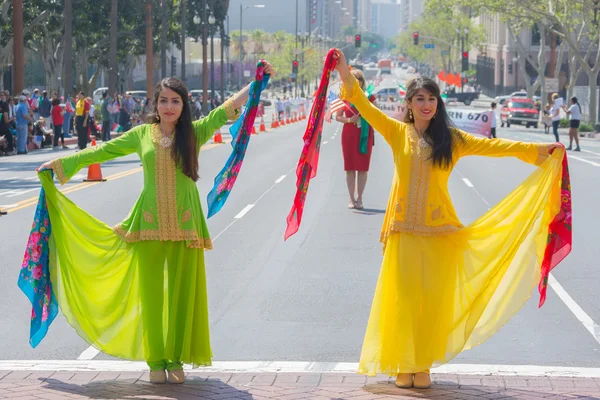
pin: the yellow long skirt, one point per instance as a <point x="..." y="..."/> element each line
<point x="439" y="295"/>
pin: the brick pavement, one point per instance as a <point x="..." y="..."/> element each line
<point x="57" y="385"/>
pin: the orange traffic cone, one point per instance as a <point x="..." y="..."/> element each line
<point x="263" y="128"/>
<point x="282" y="122"/>
<point x="94" y="170"/>
<point x="287" y="121"/>
<point x="274" y="123"/>
<point x="217" y="138"/>
<point x="253" y="130"/>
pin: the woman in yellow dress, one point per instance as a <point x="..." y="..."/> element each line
<point x="444" y="287"/>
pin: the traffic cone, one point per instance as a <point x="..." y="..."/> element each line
<point x="282" y="122"/>
<point x="217" y="138"/>
<point x="94" y="170"/>
<point x="263" y="128"/>
<point x="287" y="121"/>
<point x="253" y="130"/>
<point x="274" y="123"/>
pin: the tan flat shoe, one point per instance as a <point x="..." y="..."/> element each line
<point x="176" y="376"/>
<point x="158" y="376"/>
<point x="404" y="381"/>
<point x="422" y="380"/>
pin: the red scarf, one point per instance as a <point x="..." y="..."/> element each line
<point x="559" y="233"/>
<point x="309" y="159"/>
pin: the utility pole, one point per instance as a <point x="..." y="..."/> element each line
<point x="113" y="74"/>
<point x="182" y="9"/>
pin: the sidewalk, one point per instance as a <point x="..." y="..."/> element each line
<point x="50" y="385"/>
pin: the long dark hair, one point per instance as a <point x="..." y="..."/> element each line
<point x="575" y="101"/>
<point x="441" y="134"/>
<point x="184" y="151"/>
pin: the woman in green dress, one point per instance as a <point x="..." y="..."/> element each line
<point x="137" y="290"/>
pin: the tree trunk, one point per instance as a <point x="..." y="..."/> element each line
<point x="542" y="64"/>
<point x="113" y="74"/>
<point x="163" y="39"/>
<point x="18" y="48"/>
<point x="593" y="78"/>
<point x="182" y="9"/>
<point x="149" y="53"/>
<point x="67" y="81"/>
<point x="82" y="68"/>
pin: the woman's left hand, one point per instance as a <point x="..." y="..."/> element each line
<point x="550" y="147"/>
<point x="269" y="69"/>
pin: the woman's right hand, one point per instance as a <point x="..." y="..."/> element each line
<point x="342" y="65"/>
<point x="46" y="165"/>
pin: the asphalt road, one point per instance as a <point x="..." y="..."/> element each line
<point x="308" y="299"/>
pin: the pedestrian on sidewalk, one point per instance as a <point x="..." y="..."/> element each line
<point x="555" y="113"/>
<point x="105" y="112"/>
<point x="357" y="145"/>
<point x="574" y="112"/>
<point x="82" y="110"/>
<point x="58" y="116"/>
<point x="45" y="109"/>
<point x="23" y="118"/>
<point x="111" y="281"/>
<point x="494" y="122"/>
<point x="5" y="123"/>
<point x="444" y="287"/>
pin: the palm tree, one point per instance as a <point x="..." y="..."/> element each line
<point x="258" y="38"/>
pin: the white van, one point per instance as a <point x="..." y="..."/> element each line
<point x="97" y="96"/>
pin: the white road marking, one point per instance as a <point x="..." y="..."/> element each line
<point x="89" y="354"/>
<point x="244" y="211"/>
<point x="581" y="315"/>
<point x="23" y="191"/>
<point x="595" y="164"/>
<point x="281" y="178"/>
<point x="2" y="206"/>
<point x="467" y="182"/>
<point x="295" y="367"/>
<point x="325" y="142"/>
<point x="591" y="152"/>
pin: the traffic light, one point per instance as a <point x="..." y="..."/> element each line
<point x="357" y="41"/>
<point x="294" y="67"/>
<point x="510" y="69"/>
<point x="465" y="61"/>
<point x="416" y="38"/>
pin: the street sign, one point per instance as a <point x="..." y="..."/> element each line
<point x="247" y="73"/>
<point x="444" y="52"/>
<point x="551" y="84"/>
<point x="429" y="46"/>
<point x="292" y="75"/>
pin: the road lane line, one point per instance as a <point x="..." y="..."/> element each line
<point x="325" y="142"/>
<point x="591" y="152"/>
<point x="258" y="367"/>
<point x="585" y="161"/>
<point x="23" y="192"/>
<point x="467" y="182"/>
<point x="244" y="211"/>
<point x="581" y="315"/>
<point x="281" y="178"/>
<point x="89" y="353"/>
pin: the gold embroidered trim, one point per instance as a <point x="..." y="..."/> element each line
<point x="186" y="216"/>
<point x="348" y="85"/>
<point x="149" y="218"/>
<point x="232" y="112"/>
<point x="416" y="207"/>
<point x="190" y="236"/>
<point x="59" y="171"/>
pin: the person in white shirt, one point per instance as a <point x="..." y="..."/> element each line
<point x="574" y="112"/>
<point x="493" y="117"/>
<point x="555" y="113"/>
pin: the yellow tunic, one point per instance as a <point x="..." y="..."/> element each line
<point x="444" y="287"/>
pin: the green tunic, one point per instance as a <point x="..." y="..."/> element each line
<point x="169" y="207"/>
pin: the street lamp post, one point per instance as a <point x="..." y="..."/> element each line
<point x="211" y="22"/>
<point x="516" y="72"/>
<point x="242" y="8"/>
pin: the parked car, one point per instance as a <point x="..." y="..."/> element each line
<point x="385" y="93"/>
<point x="138" y="94"/>
<point x="465" y="97"/>
<point x="519" y="110"/>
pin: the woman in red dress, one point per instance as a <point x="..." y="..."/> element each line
<point x="357" y="143"/>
